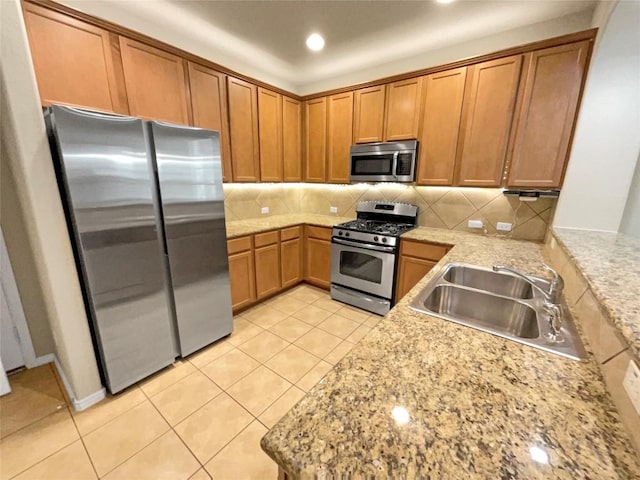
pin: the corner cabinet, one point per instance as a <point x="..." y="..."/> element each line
<point x="416" y="260"/>
<point x="291" y="140"/>
<point x="315" y="139"/>
<point x="270" y="135"/>
<point x="438" y="137"/>
<point x="209" y="106"/>
<point x="243" y="129"/>
<point x="156" y="83"/>
<point x="553" y="80"/>
<point x="487" y="115"/>
<point x="75" y="63"/>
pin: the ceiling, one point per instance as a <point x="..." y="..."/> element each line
<point x="269" y="35"/>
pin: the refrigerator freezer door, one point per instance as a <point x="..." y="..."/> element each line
<point x="190" y="177"/>
<point x="104" y="170"/>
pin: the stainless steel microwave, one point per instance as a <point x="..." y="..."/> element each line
<point x="384" y="162"/>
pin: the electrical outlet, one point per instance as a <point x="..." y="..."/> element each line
<point x="475" y="224"/>
<point x="631" y="384"/>
<point x="503" y="226"/>
<point x="333" y="209"/>
<point x="264" y="210"/>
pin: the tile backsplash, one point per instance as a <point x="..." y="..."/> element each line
<point x="439" y="207"/>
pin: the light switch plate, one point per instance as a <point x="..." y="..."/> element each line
<point x="631" y="384"/>
<point x="475" y="224"/>
<point x="264" y="210"/>
<point x="503" y="226"/>
<point x="333" y="209"/>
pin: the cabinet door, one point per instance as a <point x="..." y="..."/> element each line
<point x="209" y="105"/>
<point x="268" y="279"/>
<point x="242" y="278"/>
<point x="270" y="135"/>
<point x="75" y="63"/>
<point x="368" y="120"/>
<point x="318" y="262"/>
<point x="315" y="134"/>
<point x="440" y="126"/>
<point x="156" y="83"/>
<point x="403" y="109"/>
<point x="339" y="134"/>
<point x="552" y="83"/>
<point x="487" y="114"/>
<point x="243" y="128"/>
<point x="292" y="139"/>
<point x="410" y="272"/>
<point x="291" y="262"/>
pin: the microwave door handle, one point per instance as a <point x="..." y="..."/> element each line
<point x="394" y="165"/>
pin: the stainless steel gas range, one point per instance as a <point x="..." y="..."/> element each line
<point x="364" y="254"/>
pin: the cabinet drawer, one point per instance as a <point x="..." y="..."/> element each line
<point x="428" y="251"/>
<point x="289" y="233"/>
<point x="319" y="232"/>
<point x="267" y="238"/>
<point x="236" y="245"/>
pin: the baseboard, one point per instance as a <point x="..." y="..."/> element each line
<point x="83" y="403"/>
<point x="43" y="360"/>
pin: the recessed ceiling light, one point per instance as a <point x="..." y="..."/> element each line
<point x="444" y="1"/>
<point x="315" y="42"/>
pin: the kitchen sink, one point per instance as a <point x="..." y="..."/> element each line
<point x="499" y="303"/>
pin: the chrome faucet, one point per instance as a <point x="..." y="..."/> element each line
<point x="556" y="285"/>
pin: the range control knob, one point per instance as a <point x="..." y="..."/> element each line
<point x="339" y="233"/>
<point x="346" y="234"/>
<point x="375" y="239"/>
<point x="384" y="240"/>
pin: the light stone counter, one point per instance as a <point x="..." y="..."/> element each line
<point x="238" y="228"/>
<point x="610" y="263"/>
<point x="470" y="404"/>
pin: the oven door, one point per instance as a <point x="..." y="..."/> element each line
<point x="362" y="266"/>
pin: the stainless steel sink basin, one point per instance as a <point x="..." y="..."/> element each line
<point x="499" y="303"/>
<point x="494" y="282"/>
<point x="503" y="314"/>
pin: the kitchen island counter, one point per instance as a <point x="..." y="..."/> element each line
<point x="423" y="397"/>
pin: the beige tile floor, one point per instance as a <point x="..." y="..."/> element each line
<point x="203" y="417"/>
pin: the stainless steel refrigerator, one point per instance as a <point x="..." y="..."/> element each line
<point x="145" y="210"/>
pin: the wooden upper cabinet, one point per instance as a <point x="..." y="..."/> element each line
<point x="403" y="109"/>
<point x="209" y="106"/>
<point x="75" y="63"/>
<point x="553" y="79"/>
<point x="156" y="82"/>
<point x="487" y="115"/>
<point x="438" y="138"/>
<point x="291" y="139"/>
<point x="315" y="135"/>
<point x="339" y="134"/>
<point x="270" y="135"/>
<point x="243" y="128"/>
<point x="368" y="114"/>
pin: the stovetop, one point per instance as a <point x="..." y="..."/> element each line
<point x="378" y="227"/>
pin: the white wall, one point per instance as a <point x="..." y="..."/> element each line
<point x="37" y="227"/>
<point x="607" y="139"/>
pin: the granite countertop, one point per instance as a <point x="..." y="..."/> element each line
<point x="610" y="263"/>
<point x="238" y="228"/>
<point x="467" y="404"/>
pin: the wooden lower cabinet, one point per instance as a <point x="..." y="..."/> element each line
<point x="267" y="270"/>
<point x="416" y="259"/>
<point x="241" y="272"/>
<point x="291" y="262"/>
<point x="317" y="269"/>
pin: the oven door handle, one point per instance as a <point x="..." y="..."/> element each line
<point x="366" y="246"/>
